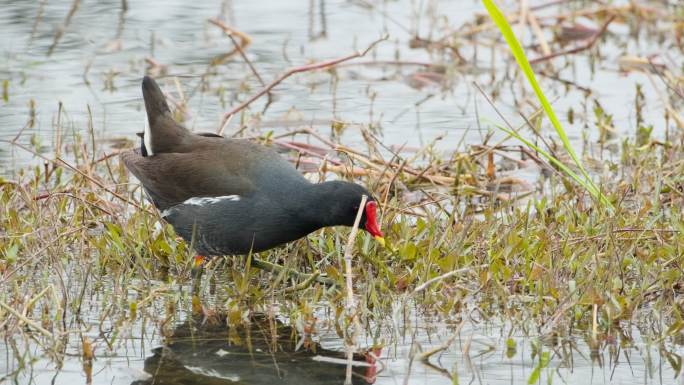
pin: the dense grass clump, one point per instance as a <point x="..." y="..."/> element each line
<point x="79" y="242"/>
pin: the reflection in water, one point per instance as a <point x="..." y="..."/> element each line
<point x="264" y="352"/>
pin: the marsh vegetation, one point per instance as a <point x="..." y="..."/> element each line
<point x="508" y="259"/>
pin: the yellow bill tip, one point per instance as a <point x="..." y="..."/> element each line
<point x="380" y="240"/>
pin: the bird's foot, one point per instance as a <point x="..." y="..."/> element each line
<point x="198" y="263"/>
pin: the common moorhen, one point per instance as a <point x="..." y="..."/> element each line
<point x="234" y="196"/>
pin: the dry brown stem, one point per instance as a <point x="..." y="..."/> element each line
<point x="577" y="49"/>
<point x="295" y="70"/>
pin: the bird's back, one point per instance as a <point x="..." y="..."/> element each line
<point x="174" y="164"/>
<point x="212" y="167"/>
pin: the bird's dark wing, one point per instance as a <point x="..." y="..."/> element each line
<point x="172" y="178"/>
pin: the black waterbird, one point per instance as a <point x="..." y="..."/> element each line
<point x="234" y="196"/>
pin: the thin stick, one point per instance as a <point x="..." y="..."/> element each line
<point x="663" y="78"/>
<point x="292" y="71"/>
<point x="445" y="276"/>
<point x="522" y="19"/>
<point x="348" y="253"/>
<point x="275" y="268"/>
<point x="351" y="305"/>
<point x="306" y="151"/>
<point x="39" y="18"/>
<point x="583" y="47"/>
<point x="245" y="40"/>
<point x="239" y="47"/>
<point x="437" y="179"/>
<point x="26" y="320"/>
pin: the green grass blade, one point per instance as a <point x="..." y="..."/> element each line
<point x="591" y="189"/>
<point x="519" y="54"/>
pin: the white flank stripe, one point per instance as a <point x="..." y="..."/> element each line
<point x="211" y="200"/>
<point x="200" y="201"/>
<point x="147" y="139"/>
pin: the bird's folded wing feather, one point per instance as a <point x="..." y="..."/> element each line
<point x="172" y="178"/>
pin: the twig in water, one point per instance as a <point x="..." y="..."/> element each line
<point x="39" y="18"/>
<point x="303" y="285"/>
<point x="245" y="40"/>
<point x="292" y="71"/>
<point x="663" y="78"/>
<point x="425" y="356"/>
<point x="63" y="27"/>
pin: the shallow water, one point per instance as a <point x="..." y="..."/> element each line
<point x="478" y="353"/>
<point x="203" y="350"/>
<point x="99" y="61"/>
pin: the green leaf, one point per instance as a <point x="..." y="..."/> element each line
<point x="409" y="252"/>
<point x="534" y="377"/>
<point x="5" y="90"/>
<point x="544" y="360"/>
<point x="510" y="348"/>
<point x="11" y="253"/>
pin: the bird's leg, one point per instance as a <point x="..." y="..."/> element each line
<point x="196" y="273"/>
<point x="198" y="263"/>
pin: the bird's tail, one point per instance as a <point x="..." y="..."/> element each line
<point x="162" y="133"/>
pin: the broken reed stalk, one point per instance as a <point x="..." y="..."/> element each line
<point x="351" y="305"/>
<point x="26" y="320"/>
<point x="292" y="71"/>
<point x="245" y="40"/>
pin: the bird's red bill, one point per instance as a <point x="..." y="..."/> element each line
<point x="372" y="220"/>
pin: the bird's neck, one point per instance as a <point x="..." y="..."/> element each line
<point x="317" y="202"/>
